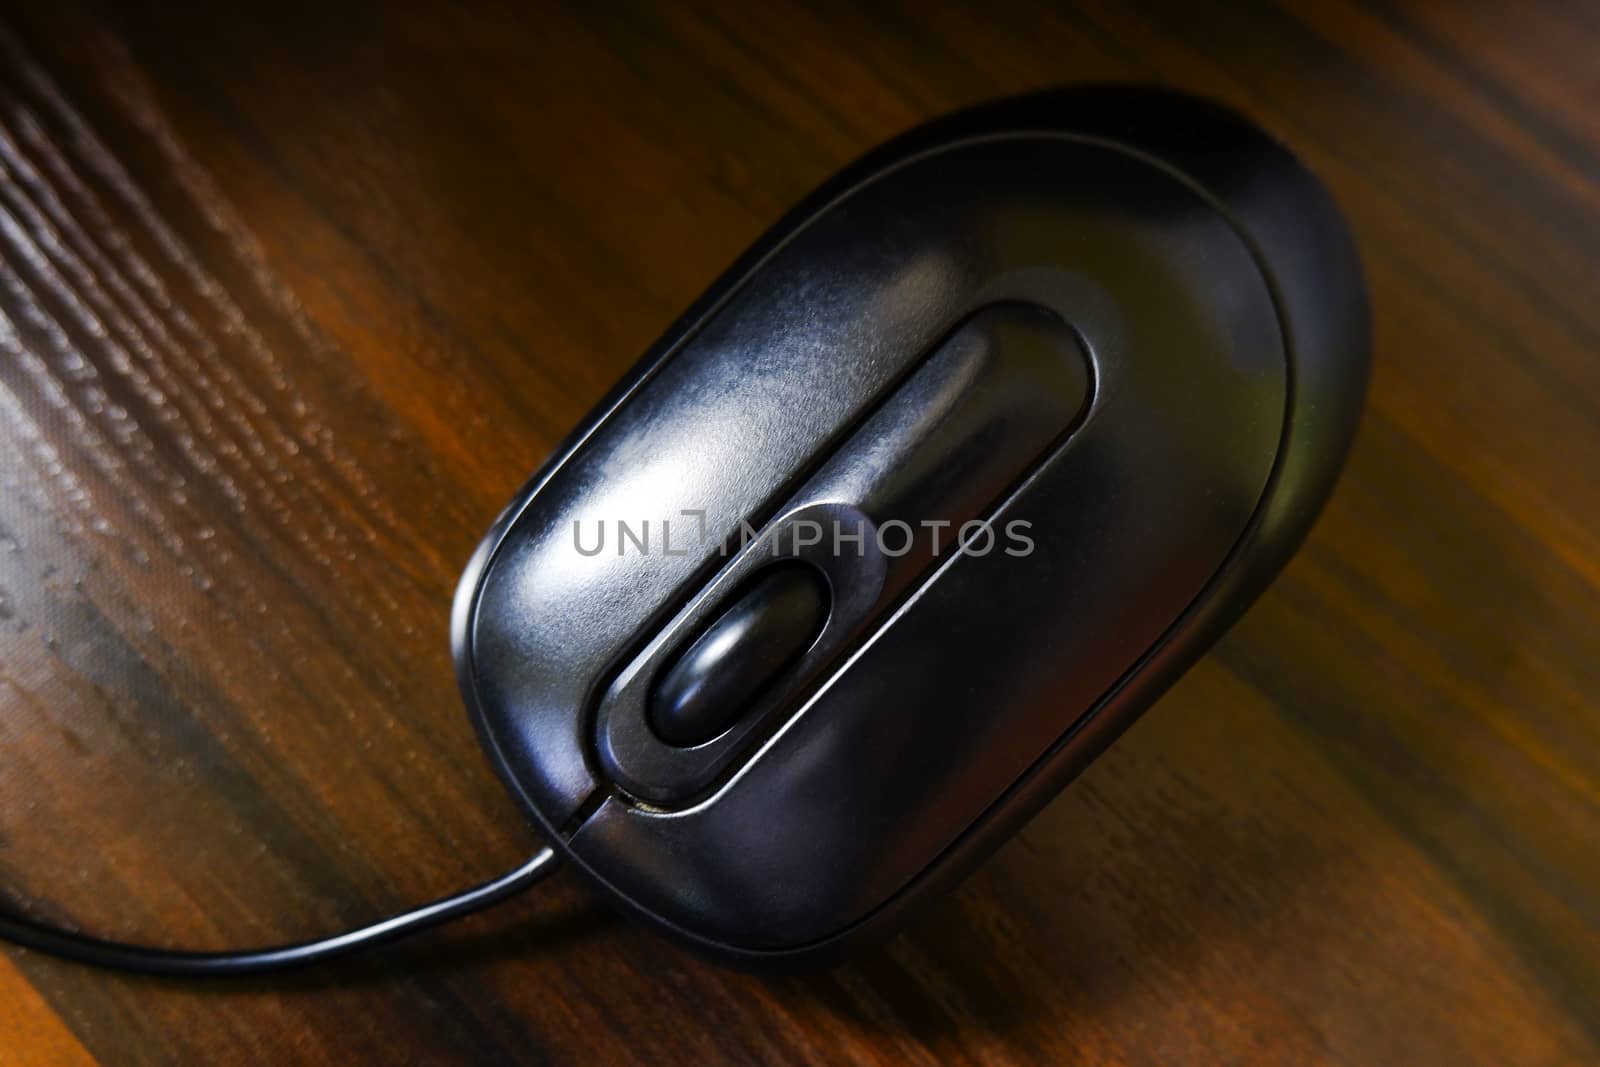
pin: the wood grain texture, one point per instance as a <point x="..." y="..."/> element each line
<point x="292" y="298"/>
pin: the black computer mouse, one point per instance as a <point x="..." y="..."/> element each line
<point x="939" y="487"/>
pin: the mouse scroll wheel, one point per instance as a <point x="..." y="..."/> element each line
<point x="767" y="628"/>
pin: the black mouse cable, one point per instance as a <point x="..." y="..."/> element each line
<point x="181" y="963"/>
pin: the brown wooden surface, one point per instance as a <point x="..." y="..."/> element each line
<point x="292" y="299"/>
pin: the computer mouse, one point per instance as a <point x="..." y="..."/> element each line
<point x="914" y="511"/>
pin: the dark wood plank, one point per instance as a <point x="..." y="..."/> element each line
<point x="292" y="297"/>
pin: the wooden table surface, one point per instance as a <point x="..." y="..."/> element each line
<point x="292" y="299"/>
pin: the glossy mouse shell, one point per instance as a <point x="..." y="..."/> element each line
<point x="1218" y="302"/>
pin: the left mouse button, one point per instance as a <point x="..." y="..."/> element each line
<point x="767" y="628"/>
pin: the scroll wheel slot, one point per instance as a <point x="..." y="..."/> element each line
<point x="766" y="629"/>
